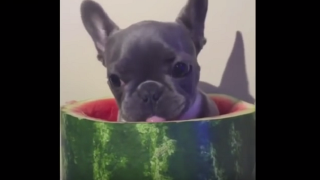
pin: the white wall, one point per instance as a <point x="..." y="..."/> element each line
<point x="83" y="76"/>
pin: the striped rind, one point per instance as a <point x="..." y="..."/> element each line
<point x="212" y="148"/>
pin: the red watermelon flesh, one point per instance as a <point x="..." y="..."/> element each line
<point x="107" y="109"/>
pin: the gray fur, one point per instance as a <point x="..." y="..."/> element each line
<point x="143" y="55"/>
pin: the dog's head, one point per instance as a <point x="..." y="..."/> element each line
<point x="152" y="66"/>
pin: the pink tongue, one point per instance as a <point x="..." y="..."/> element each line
<point x="155" y="119"/>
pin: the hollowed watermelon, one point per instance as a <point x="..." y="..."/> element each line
<point x="96" y="147"/>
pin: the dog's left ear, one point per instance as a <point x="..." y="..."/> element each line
<point x="193" y="16"/>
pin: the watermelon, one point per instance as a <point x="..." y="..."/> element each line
<point x="96" y="147"/>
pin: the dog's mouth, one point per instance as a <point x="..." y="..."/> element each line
<point x="159" y="117"/>
<point x="166" y="109"/>
<point x="155" y="119"/>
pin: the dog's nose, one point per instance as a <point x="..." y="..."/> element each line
<point x="150" y="91"/>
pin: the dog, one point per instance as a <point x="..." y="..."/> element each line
<point x="152" y="67"/>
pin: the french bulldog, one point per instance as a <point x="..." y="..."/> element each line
<point x="152" y="67"/>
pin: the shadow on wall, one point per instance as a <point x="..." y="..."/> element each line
<point x="234" y="81"/>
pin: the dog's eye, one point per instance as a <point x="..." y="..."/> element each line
<point x="180" y="70"/>
<point x="115" y="80"/>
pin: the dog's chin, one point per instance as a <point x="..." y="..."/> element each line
<point x="174" y="115"/>
<point x="149" y="119"/>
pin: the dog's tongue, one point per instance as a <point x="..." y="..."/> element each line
<point x="155" y="119"/>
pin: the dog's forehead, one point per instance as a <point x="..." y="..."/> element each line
<point x="145" y="49"/>
<point x="149" y="39"/>
<point x="154" y="30"/>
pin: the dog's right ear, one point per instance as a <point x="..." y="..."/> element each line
<point x="98" y="24"/>
<point x="193" y="16"/>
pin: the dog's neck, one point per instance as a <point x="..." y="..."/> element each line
<point x="194" y="109"/>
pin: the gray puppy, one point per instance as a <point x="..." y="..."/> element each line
<point x="152" y="66"/>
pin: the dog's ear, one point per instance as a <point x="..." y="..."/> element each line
<point x="193" y="16"/>
<point x="98" y="24"/>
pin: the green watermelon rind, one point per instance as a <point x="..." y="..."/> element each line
<point x="99" y="150"/>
